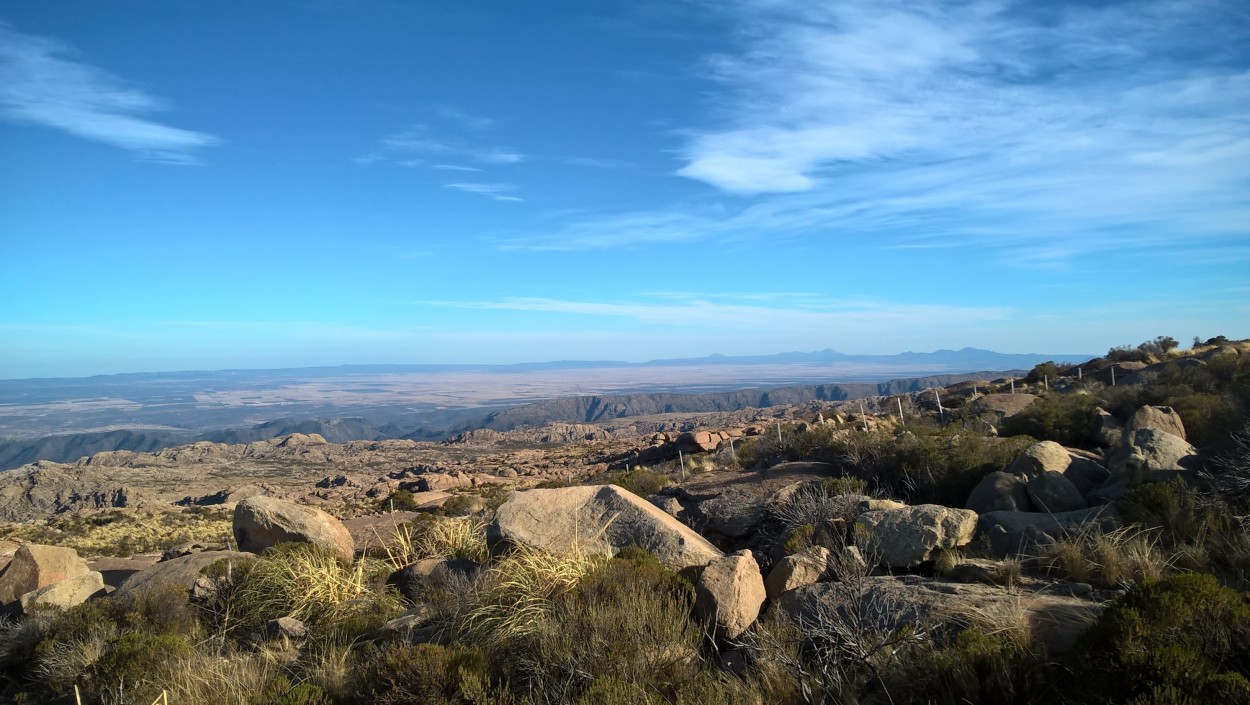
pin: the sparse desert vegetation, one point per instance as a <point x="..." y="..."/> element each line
<point x="1088" y="547"/>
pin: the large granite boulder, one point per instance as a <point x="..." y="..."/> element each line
<point x="1053" y="523"/>
<point x="33" y="566"/>
<point x="597" y="518"/>
<point x="182" y="572"/>
<point x="1149" y="451"/>
<point x="1052" y="492"/>
<point x="907" y="537"/>
<point x="262" y="522"/>
<point x="1086" y="474"/>
<point x="999" y="491"/>
<point x="65" y="593"/>
<point x="729" y="594"/>
<point x="1160" y="418"/>
<point x="1038" y="458"/>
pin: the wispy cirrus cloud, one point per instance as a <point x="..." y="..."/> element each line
<point x="498" y="192"/>
<point x="1044" y="132"/>
<point x="45" y="82"/>
<point x="452" y="136"/>
<point x="829" y="316"/>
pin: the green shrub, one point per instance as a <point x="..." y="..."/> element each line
<point x="940" y="467"/>
<point x="835" y="486"/>
<point x="398" y="674"/>
<point x="135" y="664"/>
<point x="972" y="668"/>
<point x="1171" y="507"/>
<point x="642" y="482"/>
<point x="1185" y="634"/>
<point x="798" y="539"/>
<point x="399" y="500"/>
<point x="1067" y="419"/>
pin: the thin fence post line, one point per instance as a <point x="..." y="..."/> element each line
<point x="732" y="452"/>
<point x="1113" y="375"/>
<point x="901" y="423"/>
<point x="682" y="459"/>
<point x="1079" y="376"/>
<point x="937" y="396"/>
<point x="1013" y="386"/>
<point x="863" y="415"/>
<point x="1046" y="382"/>
<point x="779" y="440"/>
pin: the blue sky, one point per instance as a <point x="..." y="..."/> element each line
<point x="189" y="185"/>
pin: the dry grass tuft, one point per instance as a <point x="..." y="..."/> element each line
<point x="517" y="592"/>
<point x="117" y="533"/>
<point x="436" y="537"/>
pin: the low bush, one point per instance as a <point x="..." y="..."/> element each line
<point x="1171" y="507"/>
<point x="1067" y="419"/>
<point x="1181" y="639"/>
<point x="642" y="482"/>
<point x="398" y="674"/>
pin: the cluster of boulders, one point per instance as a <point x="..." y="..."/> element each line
<point x="1050" y="490"/>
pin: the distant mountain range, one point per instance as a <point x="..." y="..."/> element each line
<point x="964" y="359"/>
<point x="438" y="426"/>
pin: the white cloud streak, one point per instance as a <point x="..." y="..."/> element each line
<point x="1047" y="131"/>
<point x="832" y="316"/>
<point x="498" y="192"/>
<point x="44" y="82"/>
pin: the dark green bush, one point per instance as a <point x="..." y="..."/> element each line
<point x="399" y="500"/>
<point x="1172" y="507"/>
<point x="941" y="467"/>
<point x="642" y="482"/>
<point x="1182" y="639"/>
<point x="972" y="668"/>
<point x="398" y="674"/>
<point x="1067" y="419"/>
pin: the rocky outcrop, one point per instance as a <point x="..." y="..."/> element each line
<point x="262" y="522"/>
<point x="729" y="594"/>
<point x="907" y="537"/>
<point x="35" y="566"/>
<point x="599" y="519"/>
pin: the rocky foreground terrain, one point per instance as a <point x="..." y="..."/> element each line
<point x="1068" y="536"/>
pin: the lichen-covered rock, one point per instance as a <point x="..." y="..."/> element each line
<point x="263" y="522"/>
<point x="999" y="491"/>
<point x="599" y="519"/>
<point x="33" y="566"/>
<point x="729" y="594"/>
<point x="907" y="537"/>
